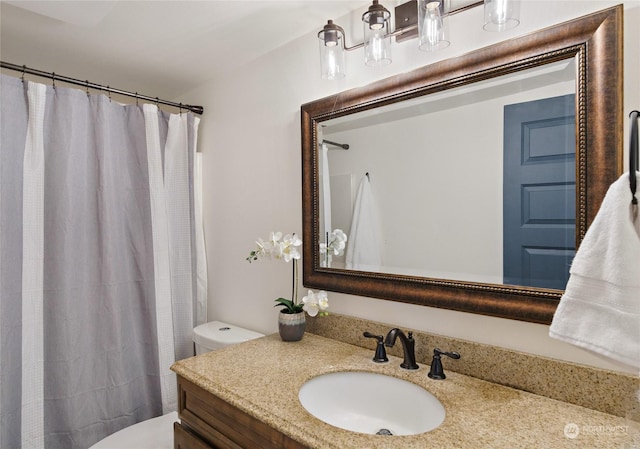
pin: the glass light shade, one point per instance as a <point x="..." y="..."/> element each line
<point x="331" y="42"/>
<point x="377" y="47"/>
<point x="500" y="15"/>
<point x="377" y="39"/>
<point x="432" y="30"/>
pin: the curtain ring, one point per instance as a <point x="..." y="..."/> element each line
<point x="137" y="104"/>
<point x="87" y="83"/>
<point x="109" y="93"/>
<point x="53" y="80"/>
<point x="180" y="109"/>
<point x="24" y="69"/>
<point x="157" y="103"/>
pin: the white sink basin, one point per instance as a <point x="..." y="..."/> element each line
<point x="369" y="403"/>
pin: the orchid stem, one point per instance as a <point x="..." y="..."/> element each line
<point x="294" y="292"/>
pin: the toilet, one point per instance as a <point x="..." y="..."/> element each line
<point x="217" y="335"/>
<point x="157" y="433"/>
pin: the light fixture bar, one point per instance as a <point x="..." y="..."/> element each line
<point x="407" y="14"/>
<point x="394" y="33"/>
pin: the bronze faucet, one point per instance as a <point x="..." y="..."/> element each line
<point x="408" y="346"/>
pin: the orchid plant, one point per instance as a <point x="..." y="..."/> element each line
<point x="334" y="246"/>
<point x="287" y="248"/>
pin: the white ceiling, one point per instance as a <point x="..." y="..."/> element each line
<point x="157" y="48"/>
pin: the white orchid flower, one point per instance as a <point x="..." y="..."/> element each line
<point x="339" y="235"/>
<point x="323" y="300"/>
<point x="315" y="302"/>
<point x="274" y="239"/>
<point x="261" y="251"/>
<point x="288" y="248"/>
<point x="338" y="248"/>
<point x="264" y="248"/>
<point x="310" y="304"/>
<point x="338" y="241"/>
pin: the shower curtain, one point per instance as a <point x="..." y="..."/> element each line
<point x="102" y="273"/>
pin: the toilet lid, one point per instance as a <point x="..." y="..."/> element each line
<point x="217" y="333"/>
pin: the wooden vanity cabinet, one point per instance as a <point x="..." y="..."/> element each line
<point x="208" y="422"/>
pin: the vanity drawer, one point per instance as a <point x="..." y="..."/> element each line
<point x="184" y="439"/>
<point x="223" y="426"/>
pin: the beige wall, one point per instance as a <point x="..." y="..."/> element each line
<point x="250" y="138"/>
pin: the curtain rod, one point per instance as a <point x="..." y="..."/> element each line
<point x="65" y="79"/>
<point x="344" y="146"/>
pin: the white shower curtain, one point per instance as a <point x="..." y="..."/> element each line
<point x="102" y="271"/>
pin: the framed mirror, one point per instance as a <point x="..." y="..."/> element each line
<point x="455" y="228"/>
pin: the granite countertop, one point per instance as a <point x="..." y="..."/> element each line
<point x="262" y="378"/>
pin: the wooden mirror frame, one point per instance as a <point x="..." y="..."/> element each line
<point x="595" y="41"/>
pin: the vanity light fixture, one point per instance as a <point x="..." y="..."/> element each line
<point x="424" y="19"/>
<point x="377" y="38"/>
<point x="332" y="47"/>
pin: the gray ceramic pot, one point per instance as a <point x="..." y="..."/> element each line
<point x="291" y="326"/>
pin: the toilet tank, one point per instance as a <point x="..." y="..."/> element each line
<point x="217" y="335"/>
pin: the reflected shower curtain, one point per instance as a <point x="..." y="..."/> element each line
<point x="101" y="266"/>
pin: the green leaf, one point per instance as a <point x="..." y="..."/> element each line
<point x="289" y="306"/>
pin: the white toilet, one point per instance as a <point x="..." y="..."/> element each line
<point x="157" y="433"/>
<point x="217" y="335"/>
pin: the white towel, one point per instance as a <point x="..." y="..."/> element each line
<point x="363" y="246"/>
<point x="600" y="308"/>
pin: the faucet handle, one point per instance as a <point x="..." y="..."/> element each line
<point x="436" y="371"/>
<point x="381" y="354"/>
